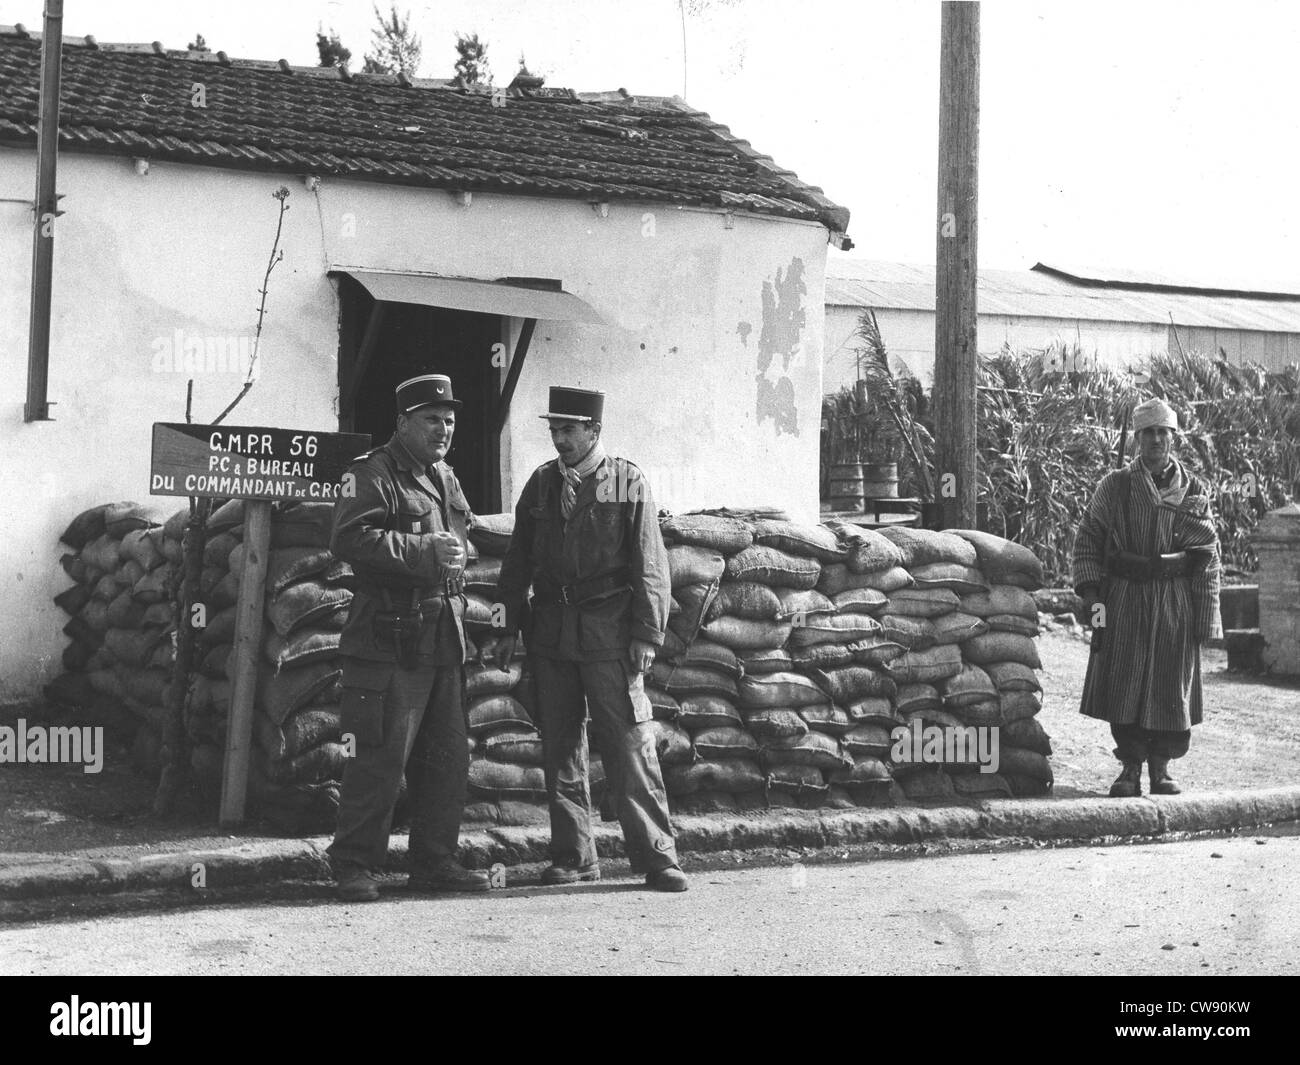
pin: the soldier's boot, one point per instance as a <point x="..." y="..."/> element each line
<point x="1128" y="785"/>
<point x="1161" y="782"/>
<point x="447" y="874"/>
<point x="356" y="884"/>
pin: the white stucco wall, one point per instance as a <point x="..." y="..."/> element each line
<point x="184" y="248"/>
<point x="909" y="337"/>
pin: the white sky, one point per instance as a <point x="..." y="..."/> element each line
<point x="1144" y="135"/>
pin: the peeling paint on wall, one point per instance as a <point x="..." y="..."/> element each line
<point x="743" y="329"/>
<point x="783" y="323"/>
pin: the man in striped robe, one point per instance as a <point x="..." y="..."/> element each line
<point x="1153" y="592"/>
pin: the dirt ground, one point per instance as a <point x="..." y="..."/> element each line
<point x="1250" y="738"/>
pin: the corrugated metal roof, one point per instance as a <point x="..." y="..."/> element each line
<point x="1033" y="294"/>
<point x="1222" y="282"/>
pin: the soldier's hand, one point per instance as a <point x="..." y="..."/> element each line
<point x="640" y="656"/>
<point x="504" y="652"/>
<point x="447" y="551"/>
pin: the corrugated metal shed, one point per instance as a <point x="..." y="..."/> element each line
<point x="1038" y="294"/>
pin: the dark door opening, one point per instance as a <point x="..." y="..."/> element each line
<point x="411" y="340"/>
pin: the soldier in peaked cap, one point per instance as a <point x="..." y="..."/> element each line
<point x="1147" y="553"/>
<point x="403" y="530"/>
<point x="586" y="539"/>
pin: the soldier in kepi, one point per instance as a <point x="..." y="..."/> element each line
<point x="586" y="538"/>
<point x="1146" y="564"/>
<point x="403" y="530"/>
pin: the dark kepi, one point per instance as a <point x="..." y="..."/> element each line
<point x="422" y="391"/>
<point x="576" y="404"/>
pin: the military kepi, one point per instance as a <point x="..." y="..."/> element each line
<point x="576" y="404"/>
<point x="430" y="388"/>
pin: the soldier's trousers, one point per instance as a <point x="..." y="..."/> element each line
<point x="627" y="751"/>
<point x="424" y="733"/>
<point x="1136" y="744"/>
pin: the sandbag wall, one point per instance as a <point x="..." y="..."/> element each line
<point x="794" y="652"/>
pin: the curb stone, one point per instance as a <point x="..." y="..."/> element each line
<point x="262" y="861"/>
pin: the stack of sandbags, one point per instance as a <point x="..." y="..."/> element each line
<point x="121" y="627"/>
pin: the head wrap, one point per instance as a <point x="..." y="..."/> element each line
<point x="1154" y="412"/>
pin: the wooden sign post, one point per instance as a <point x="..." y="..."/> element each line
<point x="259" y="465"/>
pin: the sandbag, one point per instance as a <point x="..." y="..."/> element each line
<point x="853" y="682"/>
<point x="711" y="655"/>
<point x="85" y="527"/>
<point x="156" y="585"/>
<point x="480" y="613"/>
<point x="488" y="680"/>
<point x="717" y="532"/>
<point x="303" y="525"/>
<point x="888" y="581"/>
<point x="1017" y="705"/>
<point x="775" y="723"/>
<point x="1013" y="677"/>
<point x="506" y="780"/>
<point x="971" y="685"/>
<point x="836" y="577"/>
<point x="744" y="634"/>
<point x="860" y="601"/>
<point x="161" y="613"/>
<point x="770" y="566"/>
<point x="71" y="600"/>
<point x="981" y="786"/>
<point x="797" y="780"/>
<point x="812" y="748"/>
<point x="121" y="518"/>
<point x="219" y="548"/>
<point x="875" y="650"/>
<point x="143" y="546"/>
<point x="776" y="660"/>
<point x="220" y="627"/>
<point x="149" y="686"/>
<point x="913" y="697"/>
<point x="664" y="706"/>
<point x="1004" y="561"/>
<point x="520" y="746"/>
<point x="303" y="729"/>
<point x="731" y="776"/>
<point x="927" y="783"/>
<point x="215" y="660"/>
<point x="873" y="710"/>
<point x="920" y="547"/>
<point x="672" y="744"/>
<point x="926" y="667"/>
<point x="301" y="647"/>
<point x="1001" y="647"/>
<point x="778" y="690"/>
<point x="287" y="565"/>
<point x="131" y="647"/>
<point x="280" y="694"/>
<point x="483" y="575"/>
<point x="1000" y="599"/>
<point x="811" y="541"/>
<point x="868" y="739"/>
<point x="492" y="713"/>
<point x="688" y="564"/>
<point x="1017" y="761"/>
<point x="986" y="711"/>
<point x="745" y="599"/>
<point x="725" y="741"/>
<point x="692" y="680"/>
<point x="826" y="718"/>
<point x="797" y="604"/>
<point x="1023" y="787"/>
<point x="964" y="580"/>
<point x="490" y="533"/>
<point x="225" y="592"/>
<point x="821" y="656"/>
<point x="1026" y="732"/>
<point x="101" y="553"/>
<point x="956" y="627"/>
<point x="1017" y="623"/>
<point x="921" y="602"/>
<point x="230" y="515"/>
<point x="706" y="711"/>
<point x="866" y="769"/>
<point x="693" y="603"/>
<point x="868" y="550"/>
<point x="305" y="603"/>
<point x="75" y="567"/>
<point x="833" y="628"/>
<point x="312" y="766"/>
<point x="915" y="634"/>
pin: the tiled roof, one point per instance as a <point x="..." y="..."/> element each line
<point x="136" y="100"/>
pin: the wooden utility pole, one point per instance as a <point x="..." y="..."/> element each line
<point x="955" y="350"/>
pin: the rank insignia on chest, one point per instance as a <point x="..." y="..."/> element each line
<point x="415" y="526"/>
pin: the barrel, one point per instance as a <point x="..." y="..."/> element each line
<point x="846" y="487"/>
<point x="880" y="480"/>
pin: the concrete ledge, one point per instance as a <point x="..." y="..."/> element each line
<point x="269" y="861"/>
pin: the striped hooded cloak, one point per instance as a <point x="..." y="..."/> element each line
<point x="1148" y="672"/>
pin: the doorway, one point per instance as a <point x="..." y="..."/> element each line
<point x="413" y="339"/>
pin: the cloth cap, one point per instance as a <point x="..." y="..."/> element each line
<point x="430" y="388"/>
<point x="576" y="404"/>
<point x="1154" y="412"/>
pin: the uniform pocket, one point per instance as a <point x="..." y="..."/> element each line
<point x="361" y="713"/>
<point x="606" y="625"/>
<point x="414" y="517"/>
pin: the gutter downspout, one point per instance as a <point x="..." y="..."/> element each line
<point x="46" y="209"/>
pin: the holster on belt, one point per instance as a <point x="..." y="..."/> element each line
<point x="580" y="592"/>
<point x="400" y="629"/>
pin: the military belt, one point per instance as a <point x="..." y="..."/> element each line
<point x="1140" y="568"/>
<point x="580" y="592"/>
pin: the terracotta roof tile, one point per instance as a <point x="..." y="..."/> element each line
<point x="135" y="99"/>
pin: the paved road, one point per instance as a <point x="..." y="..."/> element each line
<point x="1223" y="905"/>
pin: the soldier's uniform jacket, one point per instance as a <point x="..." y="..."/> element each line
<point x="384" y="532"/>
<point x="609" y="553"/>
